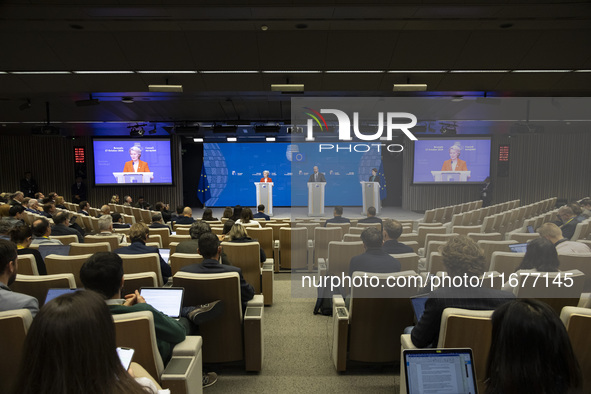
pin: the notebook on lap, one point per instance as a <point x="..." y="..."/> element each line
<point x="167" y="300"/>
<point x="439" y="371"/>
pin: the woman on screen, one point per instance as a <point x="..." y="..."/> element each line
<point x="265" y="177"/>
<point x="135" y="164"/>
<point x="454" y="163"/>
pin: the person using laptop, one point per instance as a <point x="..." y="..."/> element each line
<point x="553" y="233"/>
<point x="530" y="351"/>
<point x="103" y="273"/>
<point x="461" y="256"/>
<point x="10" y="300"/>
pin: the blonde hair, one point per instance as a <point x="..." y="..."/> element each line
<point x="549" y="230"/>
<point x="138" y="232"/>
<point x="462" y="255"/>
<point x="236" y="232"/>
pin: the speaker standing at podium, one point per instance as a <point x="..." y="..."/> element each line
<point x="135" y="164"/>
<point x="317" y="176"/>
<point x="265" y="177"/>
<point x="374" y="176"/>
<point x="454" y="163"/>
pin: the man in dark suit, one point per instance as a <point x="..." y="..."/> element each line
<point x="157" y="222"/>
<point x="374" y="176"/>
<point x="317" y="176"/>
<point x="62" y="226"/>
<point x="568" y="223"/>
<point x="374" y="259"/>
<point x="486" y="192"/>
<point x="187" y="217"/>
<point x="338" y="216"/>
<point x="392" y="230"/>
<point x="78" y="190"/>
<point x="117" y="223"/>
<point x="261" y="213"/>
<point x="371" y="217"/>
<point x="84" y="207"/>
<point x="210" y="249"/>
<point x="29" y="185"/>
<point x="461" y="256"/>
<point x="138" y="235"/>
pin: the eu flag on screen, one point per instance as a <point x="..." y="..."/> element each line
<point x="383" y="191"/>
<point x="203" y="192"/>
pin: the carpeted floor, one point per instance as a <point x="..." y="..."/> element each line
<point x="298" y="355"/>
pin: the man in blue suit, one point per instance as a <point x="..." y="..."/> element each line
<point x="261" y="213"/>
<point x="138" y="234"/>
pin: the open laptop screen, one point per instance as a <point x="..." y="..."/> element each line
<point x="54" y="293"/>
<point x="518" y="248"/>
<point x="441" y="371"/>
<point x="167" y="300"/>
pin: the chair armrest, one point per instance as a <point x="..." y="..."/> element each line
<point x="322" y="266"/>
<point x="406" y="342"/>
<point x="585" y="300"/>
<point x="191" y="346"/>
<point x="337" y="301"/>
<point x="253" y="338"/>
<point x="257" y="300"/>
<point x="276" y="255"/>
<point x="267" y="281"/>
<point x="183" y="375"/>
<point x="310" y="255"/>
<point x="340" y="327"/>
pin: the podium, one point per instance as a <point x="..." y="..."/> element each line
<point x="450" y="176"/>
<point x="370" y="192"/>
<point x="265" y="196"/>
<point x="316" y="198"/>
<point x="133" y="177"/>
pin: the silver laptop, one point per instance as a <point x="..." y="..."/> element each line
<point x="167" y="300"/>
<point x="439" y="371"/>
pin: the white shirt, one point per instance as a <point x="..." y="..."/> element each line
<point x="572" y="247"/>
<point x="252" y="223"/>
<point x="453" y="165"/>
<point x="135" y="166"/>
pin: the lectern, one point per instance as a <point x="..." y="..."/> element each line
<point x="450" y="176"/>
<point x="265" y="196"/>
<point x="133" y="177"/>
<point x="370" y="192"/>
<point x="316" y="198"/>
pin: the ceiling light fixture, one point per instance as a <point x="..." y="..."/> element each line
<point x="39" y="72"/>
<point x="409" y="87"/>
<point x="229" y="72"/>
<point x="168" y="72"/>
<point x="231" y="139"/>
<point x="287" y="87"/>
<point x="127" y="100"/>
<point x="270" y="139"/>
<point x="197" y="139"/>
<point x="166" y="88"/>
<point x="104" y="72"/>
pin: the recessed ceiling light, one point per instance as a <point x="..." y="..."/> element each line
<point x="287" y="87"/>
<point x="229" y="72"/>
<point x="166" y="88"/>
<point x="270" y="139"/>
<point x="542" y="71"/>
<point x="292" y="72"/>
<point x="416" y="71"/>
<point x="231" y="139"/>
<point x="354" y="71"/>
<point x="410" y="87"/>
<point x="168" y="72"/>
<point x="127" y="100"/>
<point x="197" y="139"/>
<point x="39" y="72"/>
<point x="104" y="72"/>
<point x="478" y="71"/>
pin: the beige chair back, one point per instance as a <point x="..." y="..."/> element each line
<point x="489" y="247"/>
<point x="404" y="238"/>
<point x="408" y="261"/>
<point x="505" y="262"/>
<point x="265" y="238"/>
<point x="485" y="236"/>
<point x="340" y="254"/>
<point x="37" y="285"/>
<point x="310" y="226"/>
<point x="435" y="263"/>
<point x="14" y="326"/>
<point x="182" y="230"/>
<point x="179" y="238"/>
<point x="344" y="226"/>
<point x="553" y="293"/>
<point x="423" y="231"/>
<point x="352" y="237"/>
<point x="322" y="237"/>
<point x="113" y="240"/>
<point x="133" y="282"/>
<point x="57" y="264"/>
<point x="164" y="234"/>
<point x="356" y="230"/>
<point x="77" y="249"/>
<point x="146" y="216"/>
<point x="27" y="265"/>
<point x="276" y="227"/>
<point x="246" y="256"/>
<point x="180" y="260"/>
<point x="65" y="239"/>
<point x="148" y="262"/>
<point x="578" y="261"/>
<point x="155" y="238"/>
<point x="293" y="247"/>
<point x="172" y="247"/>
<point x="578" y="326"/>
<point x="522" y="238"/>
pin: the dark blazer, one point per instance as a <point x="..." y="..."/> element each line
<point x="80" y="191"/>
<point x="62" y="229"/>
<point x="160" y="225"/>
<point x="38" y="259"/>
<point x="139" y="247"/>
<point x="121" y="225"/>
<point x="184" y="220"/>
<point x="261" y="215"/>
<point x="374" y="260"/>
<point x="321" y="178"/>
<point x="337" y="219"/>
<point x="426" y="332"/>
<point x="371" y="219"/>
<point x="392" y="246"/>
<point x="375" y="179"/>
<point x="210" y="266"/>
<point x="190" y="246"/>
<point x="568" y="228"/>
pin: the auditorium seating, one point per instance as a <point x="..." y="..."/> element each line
<point x="65" y="239"/>
<point x="14" y="326"/>
<point x="113" y="240"/>
<point x="57" y="264"/>
<point x="148" y="262"/>
<point x="578" y="261"/>
<point x="133" y="282"/>
<point x="293" y="248"/>
<point x="233" y="336"/>
<point x="37" y="285"/>
<point x="578" y="326"/>
<point x="164" y="234"/>
<point x="180" y="260"/>
<point x="77" y="248"/>
<point x="27" y="265"/>
<point x="505" y="262"/>
<point x="183" y="374"/>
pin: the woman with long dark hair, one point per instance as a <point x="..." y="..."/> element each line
<point x="530" y="352"/>
<point x="208" y="215"/>
<point x="70" y="348"/>
<point x="247" y="219"/>
<point x="540" y="255"/>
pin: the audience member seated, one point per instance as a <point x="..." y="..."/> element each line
<point x="62" y="226"/>
<point x="227" y="227"/>
<point x="164" y="210"/>
<point x="118" y="221"/>
<point x="127" y="201"/>
<point x="22" y="237"/>
<point x="238" y="234"/>
<point x="114" y="199"/>
<point x="84" y="207"/>
<point x="371" y="217"/>
<point x="393" y="230"/>
<point x="39" y="196"/>
<point x="17" y="198"/>
<point x="236" y="213"/>
<point x="138" y="234"/>
<point x="461" y="256"/>
<point x="105" y="225"/>
<point x="42" y="231"/>
<point x="208" y="215"/>
<point x="49" y="210"/>
<point x="5" y="227"/>
<point x="71" y="348"/>
<point x="141" y="203"/>
<point x="59" y="202"/>
<point x="33" y="207"/>
<point x="568" y="221"/>
<point x="15" y="215"/>
<point x="530" y="351"/>
<point x="338" y="216"/>
<point x="261" y="213"/>
<point x="210" y="249"/>
<point x="227" y="213"/>
<point x="105" y="210"/>
<point x="157" y="222"/>
<point x="577" y="210"/>
<point x="191" y="245"/>
<point x="186" y="218"/>
<point x="103" y="273"/>
<point x="552" y="233"/>
<point x="374" y="259"/>
<point x="586" y="206"/>
<point x="540" y="256"/>
<point x="247" y="219"/>
<point x="9" y="300"/>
